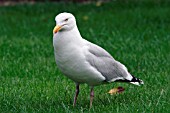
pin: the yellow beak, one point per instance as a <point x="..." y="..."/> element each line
<point x="56" y="29"/>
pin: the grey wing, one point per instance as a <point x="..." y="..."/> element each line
<point x="101" y="60"/>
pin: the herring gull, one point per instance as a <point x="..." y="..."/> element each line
<point x="83" y="61"/>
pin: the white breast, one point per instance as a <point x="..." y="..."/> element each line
<point x="71" y="61"/>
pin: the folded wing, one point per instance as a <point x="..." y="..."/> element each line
<point x="103" y="62"/>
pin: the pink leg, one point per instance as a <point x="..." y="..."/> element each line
<point x="91" y="96"/>
<point x="76" y="94"/>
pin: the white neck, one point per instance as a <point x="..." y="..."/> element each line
<point x="64" y="38"/>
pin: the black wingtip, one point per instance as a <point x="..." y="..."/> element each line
<point x="136" y="81"/>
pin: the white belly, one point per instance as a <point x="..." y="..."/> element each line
<point x="72" y="62"/>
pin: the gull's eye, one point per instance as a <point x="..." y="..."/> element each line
<point x="66" y="20"/>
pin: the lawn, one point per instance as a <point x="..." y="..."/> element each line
<point x="135" y="33"/>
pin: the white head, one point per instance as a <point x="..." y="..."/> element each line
<point x="64" y="22"/>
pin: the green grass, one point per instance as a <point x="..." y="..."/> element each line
<point x="135" y="33"/>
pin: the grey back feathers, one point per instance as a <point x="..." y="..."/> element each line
<point x="105" y="63"/>
<point x="98" y="51"/>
